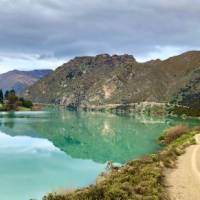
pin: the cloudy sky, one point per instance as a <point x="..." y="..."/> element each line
<point x="46" y="33"/>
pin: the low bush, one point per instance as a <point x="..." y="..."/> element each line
<point x="173" y="133"/>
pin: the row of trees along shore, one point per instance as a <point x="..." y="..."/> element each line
<point x="9" y="101"/>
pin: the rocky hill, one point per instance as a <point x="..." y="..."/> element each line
<point x="19" y="80"/>
<point x="104" y="79"/>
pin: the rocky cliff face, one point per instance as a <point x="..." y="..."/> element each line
<point x="105" y="79"/>
<point x="19" y="80"/>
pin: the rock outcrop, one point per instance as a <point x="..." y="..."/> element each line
<point x="104" y="80"/>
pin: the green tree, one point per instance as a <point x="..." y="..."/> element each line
<point x="12" y="92"/>
<point x="11" y="103"/>
<point x="27" y="104"/>
<point x="1" y="96"/>
<point x="6" y="94"/>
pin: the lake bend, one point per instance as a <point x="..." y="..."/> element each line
<point x="46" y="151"/>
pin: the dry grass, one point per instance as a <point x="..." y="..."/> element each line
<point x="196" y="128"/>
<point x="173" y="133"/>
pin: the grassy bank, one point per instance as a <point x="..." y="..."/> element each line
<point x="34" y="107"/>
<point x="141" y="179"/>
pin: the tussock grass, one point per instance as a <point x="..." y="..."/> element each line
<point x="173" y="133"/>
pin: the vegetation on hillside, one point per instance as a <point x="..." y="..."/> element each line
<point x="141" y="179"/>
<point x="11" y="102"/>
<point x="187" y="100"/>
<point x="185" y="111"/>
<point x="85" y="82"/>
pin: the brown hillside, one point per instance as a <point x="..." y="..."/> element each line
<point x="105" y="79"/>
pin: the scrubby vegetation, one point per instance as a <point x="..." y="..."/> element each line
<point x="140" y="179"/>
<point x="187" y="111"/>
<point x="173" y="133"/>
<point x="11" y="102"/>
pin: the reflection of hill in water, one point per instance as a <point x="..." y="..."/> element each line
<point x="96" y="136"/>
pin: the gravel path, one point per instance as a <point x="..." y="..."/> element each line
<point x="184" y="181"/>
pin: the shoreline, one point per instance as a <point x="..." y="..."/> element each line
<point x="137" y="179"/>
<point x="140" y="108"/>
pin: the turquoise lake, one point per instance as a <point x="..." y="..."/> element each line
<point x="41" y="152"/>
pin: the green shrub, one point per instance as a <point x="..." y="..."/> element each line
<point x="25" y="103"/>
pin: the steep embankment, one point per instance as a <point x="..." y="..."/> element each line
<point x="105" y="79"/>
<point x="184" y="181"/>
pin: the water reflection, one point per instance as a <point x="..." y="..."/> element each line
<point x="32" y="167"/>
<point x="90" y="135"/>
<point x="30" y="143"/>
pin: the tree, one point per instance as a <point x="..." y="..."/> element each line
<point x="6" y="94"/>
<point x="28" y="104"/>
<point x="12" y="92"/>
<point x="11" y="103"/>
<point x="25" y="103"/>
<point x="1" y="96"/>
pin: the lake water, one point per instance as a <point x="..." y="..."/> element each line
<point x="46" y="151"/>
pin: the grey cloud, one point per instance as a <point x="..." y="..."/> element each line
<point x="64" y="28"/>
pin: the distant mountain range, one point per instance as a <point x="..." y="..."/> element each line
<point x="104" y="79"/>
<point x="19" y="80"/>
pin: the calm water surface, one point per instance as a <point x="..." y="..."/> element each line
<point x="42" y="152"/>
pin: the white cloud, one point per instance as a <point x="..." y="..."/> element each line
<point x="67" y="28"/>
<point x="28" y="62"/>
<point x="162" y="53"/>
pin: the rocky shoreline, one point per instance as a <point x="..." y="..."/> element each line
<point x="151" y="108"/>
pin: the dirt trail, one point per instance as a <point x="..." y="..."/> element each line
<point x="184" y="181"/>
